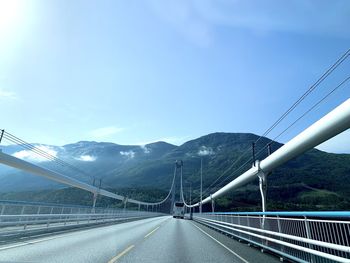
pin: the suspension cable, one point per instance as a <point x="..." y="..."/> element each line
<point x="12" y="138"/>
<point x="333" y="67"/>
<point x="306" y="112"/>
<point x="31" y="147"/>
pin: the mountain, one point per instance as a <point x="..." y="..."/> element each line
<point x="93" y="160"/>
<point x="314" y="180"/>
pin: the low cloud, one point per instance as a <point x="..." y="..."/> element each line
<point x="130" y="154"/>
<point x="204" y="151"/>
<point x="105" y="132"/>
<point x="145" y="149"/>
<point x="86" y="158"/>
<point x="31" y="156"/>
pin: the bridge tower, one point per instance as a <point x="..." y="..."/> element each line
<point x="178" y="165"/>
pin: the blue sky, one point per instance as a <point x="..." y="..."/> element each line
<point x="134" y="72"/>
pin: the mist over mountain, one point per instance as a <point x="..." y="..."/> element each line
<point x="315" y="178"/>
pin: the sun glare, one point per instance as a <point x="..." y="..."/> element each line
<point x="9" y="15"/>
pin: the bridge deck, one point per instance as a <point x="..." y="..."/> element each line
<point x="161" y="239"/>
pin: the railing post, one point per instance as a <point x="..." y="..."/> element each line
<point x="309" y="236"/>
<point x="248" y="224"/>
<point x="239" y="223"/>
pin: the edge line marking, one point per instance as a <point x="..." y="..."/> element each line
<point x="217" y="241"/>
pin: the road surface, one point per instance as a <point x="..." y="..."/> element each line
<point x="161" y="239"/>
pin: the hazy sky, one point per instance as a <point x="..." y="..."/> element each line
<point x="133" y="71"/>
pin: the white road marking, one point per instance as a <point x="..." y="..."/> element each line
<point x="121" y="254"/>
<point x="150" y="233"/>
<point x="217" y="241"/>
<point x="61" y="235"/>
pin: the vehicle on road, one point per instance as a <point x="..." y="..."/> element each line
<point x="179" y="210"/>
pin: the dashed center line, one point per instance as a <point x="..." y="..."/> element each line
<point x="125" y="251"/>
<point x="113" y="260"/>
<point x="150" y="233"/>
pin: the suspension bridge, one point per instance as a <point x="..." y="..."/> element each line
<point x="144" y="231"/>
<point x="148" y="233"/>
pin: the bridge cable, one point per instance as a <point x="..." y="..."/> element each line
<point x="12" y="138"/>
<point x="31" y="147"/>
<point x="311" y="89"/>
<point x="286" y="129"/>
<point x="306" y="112"/>
<point x="284" y="115"/>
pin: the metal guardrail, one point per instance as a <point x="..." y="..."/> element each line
<point x="23" y="207"/>
<point x="22" y="217"/>
<point x="298" y="236"/>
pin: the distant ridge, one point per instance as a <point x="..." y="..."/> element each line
<point x="315" y="177"/>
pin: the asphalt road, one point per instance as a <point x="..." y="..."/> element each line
<point x="161" y="239"/>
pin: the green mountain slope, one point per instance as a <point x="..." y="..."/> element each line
<point x="314" y="180"/>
